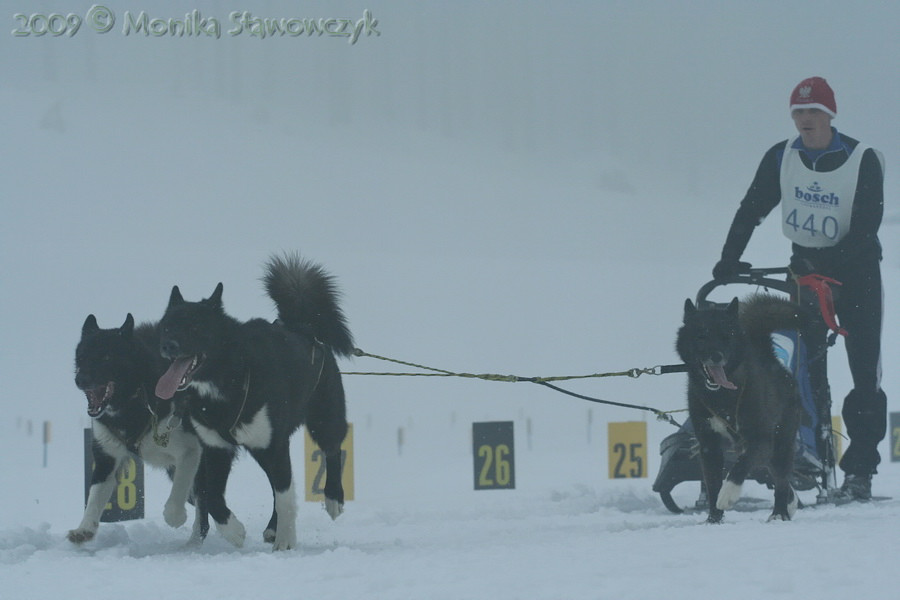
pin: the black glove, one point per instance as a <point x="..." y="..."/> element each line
<point x="727" y="269"/>
<point x="800" y="266"/>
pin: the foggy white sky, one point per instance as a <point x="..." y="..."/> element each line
<point x="573" y="77"/>
<point x="482" y="178"/>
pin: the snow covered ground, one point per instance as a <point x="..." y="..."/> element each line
<point x="418" y="530"/>
<point x="507" y="187"/>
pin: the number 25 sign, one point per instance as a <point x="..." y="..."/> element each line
<point x="627" y="450"/>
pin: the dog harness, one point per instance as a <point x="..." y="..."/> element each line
<point x="160" y="438"/>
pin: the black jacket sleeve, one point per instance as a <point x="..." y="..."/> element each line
<point x="764" y="195"/>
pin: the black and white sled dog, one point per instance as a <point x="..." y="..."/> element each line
<point x="738" y="389"/>
<point x="117" y="370"/>
<point x="256" y="382"/>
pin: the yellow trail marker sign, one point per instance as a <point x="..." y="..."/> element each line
<point x="627" y="444"/>
<point x="314" y="459"/>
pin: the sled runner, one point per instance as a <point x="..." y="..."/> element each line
<point x="815" y="457"/>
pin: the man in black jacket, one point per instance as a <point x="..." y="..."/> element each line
<point x="831" y="189"/>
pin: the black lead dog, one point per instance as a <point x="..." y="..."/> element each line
<point x="117" y="369"/>
<point x="738" y="389"/>
<point x="256" y="382"/>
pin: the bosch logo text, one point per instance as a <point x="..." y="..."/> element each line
<point x="817" y="198"/>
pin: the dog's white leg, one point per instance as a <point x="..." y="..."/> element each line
<point x="98" y="496"/>
<point x="333" y="508"/>
<point x="791" y="508"/>
<point x="792" y="505"/>
<point x="233" y="530"/>
<point x="186" y="464"/>
<point x="286" y="509"/>
<point x="174" y="513"/>
<point x="728" y="495"/>
<point x="196" y="538"/>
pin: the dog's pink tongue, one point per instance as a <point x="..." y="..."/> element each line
<point x="171" y="379"/>
<point x="718" y="375"/>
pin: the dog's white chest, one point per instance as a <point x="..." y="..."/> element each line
<point x="107" y="439"/>
<point x="257" y="433"/>
<point x="719" y="425"/>
<point x="209" y="436"/>
<point x="179" y="444"/>
<point x="207" y="389"/>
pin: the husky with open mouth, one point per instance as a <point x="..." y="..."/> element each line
<point x="256" y="382"/>
<point x="739" y="390"/>
<point x="117" y="369"/>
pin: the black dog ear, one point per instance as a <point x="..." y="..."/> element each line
<point x="733" y="306"/>
<point x="90" y="325"/>
<point x="216" y="298"/>
<point x="175" y="297"/>
<point x="127" y="327"/>
<point x="689" y="308"/>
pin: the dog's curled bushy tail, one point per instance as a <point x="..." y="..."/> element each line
<point x="763" y="314"/>
<point x="307" y="301"/>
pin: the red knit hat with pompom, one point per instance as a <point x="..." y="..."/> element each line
<point x="814" y="93"/>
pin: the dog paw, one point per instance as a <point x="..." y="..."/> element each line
<point x="288" y="543"/>
<point x="195" y="541"/>
<point x="282" y="547"/>
<point x="269" y="536"/>
<point x="174" y="514"/>
<point x="714" y="518"/>
<point x="334" y="508"/>
<point x="79" y="536"/>
<point x="778" y="517"/>
<point x="789" y="510"/>
<point x="233" y="531"/>
<point x="728" y="495"/>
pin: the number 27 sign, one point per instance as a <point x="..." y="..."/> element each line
<point x="316" y="471"/>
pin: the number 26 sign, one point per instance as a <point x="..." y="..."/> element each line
<point x="494" y="455"/>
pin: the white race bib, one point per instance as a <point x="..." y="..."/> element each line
<point x="816" y="207"/>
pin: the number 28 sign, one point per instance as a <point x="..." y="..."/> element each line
<point x="127" y="502"/>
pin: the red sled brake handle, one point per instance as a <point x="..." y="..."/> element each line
<point x="821" y="285"/>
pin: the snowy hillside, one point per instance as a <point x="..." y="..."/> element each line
<point x="515" y="188"/>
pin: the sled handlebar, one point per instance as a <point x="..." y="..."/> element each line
<point x="760" y="277"/>
<point x="819" y="285"/>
